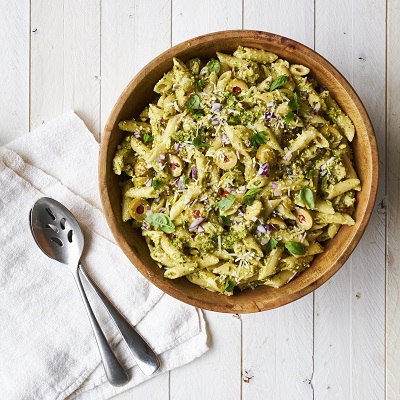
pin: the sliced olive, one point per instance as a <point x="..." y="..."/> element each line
<point x="138" y="208"/>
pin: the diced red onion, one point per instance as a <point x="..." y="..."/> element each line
<point x="224" y="139"/>
<point x="216" y="107"/>
<point x="261" y="229"/>
<point x="145" y="225"/>
<point x="270" y="104"/>
<point x="247" y="143"/>
<point x="200" y="229"/>
<point x="196" y="223"/>
<point x="264" y="170"/>
<point x="316" y="109"/>
<point x="214" y="122"/>
<point x="193" y="173"/>
<point x="274" y="185"/>
<point x="137" y="135"/>
<point x="264" y="241"/>
<point x="269" y="116"/>
<point x="148" y="182"/>
<point x="178" y="146"/>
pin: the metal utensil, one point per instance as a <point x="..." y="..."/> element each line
<point x="59" y="236"/>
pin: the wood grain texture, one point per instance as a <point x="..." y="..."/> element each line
<point x="65" y="61"/>
<point x="191" y="19"/>
<point x="393" y="205"/>
<point x="277" y="353"/>
<point x="14" y="69"/>
<point x="215" y="375"/>
<point x="132" y="33"/>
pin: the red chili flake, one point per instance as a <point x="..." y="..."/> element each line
<point x="236" y="90"/>
<point x="140" y="209"/>
<point x="196" y="214"/>
<point x="225" y="193"/>
<point x="301" y="218"/>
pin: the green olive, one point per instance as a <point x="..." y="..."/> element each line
<point x="141" y="168"/>
<point x="138" y="208"/>
<point x="225" y="158"/>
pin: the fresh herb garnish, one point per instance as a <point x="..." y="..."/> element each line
<point x="214" y="66"/>
<point x="193" y="102"/>
<point x="147" y="138"/>
<point x="161" y="221"/>
<point x="294" y="104"/>
<point x="295" y="248"/>
<point x="198" y="85"/>
<point x="229" y="285"/>
<point x="279" y="81"/>
<point x="198" y="114"/>
<point x="310" y="174"/>
<point x="198" y="142"/>
<point x="324" y="182"/>
<point x="226" y="202"/>
<point x="307" y="195"/>
<point x="186" y="180"/>
<point x="250" y="196"/>
<point x="226" y="221"/>
<point x="289" y="117"/>
<point x="157" y="183"/>
<point x="258" y="138"/>
<point x="272" y="243"/>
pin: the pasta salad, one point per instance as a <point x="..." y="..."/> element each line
<point x="239" y="171"/>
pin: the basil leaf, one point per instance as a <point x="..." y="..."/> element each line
<point x="225" y="220"/>
<point x="294" y="104"/>
<point x="289" y="118"/>
<point x="186" y="180"/>
<point x="161" y="221"/>
<point x="250" y="196"/>
<point x="193" y="102"/>
<point x="198" y="85"/>
<point x="198" y="114"/>
<point x="324" y="182"/>
<point x="229" y="285"/>
<point x="307" y="195"/>
<point x="198" y="142"/>
<point x="147" y="138"/>
<point x="214" y="66"/>
<point x="258" y="138"/>
<point x="271" y="244"/>
<point x="226" y="202"/>
<point x="279" y="81"/>
<point x="295" y="248"/>
<point x="157" y="183"/>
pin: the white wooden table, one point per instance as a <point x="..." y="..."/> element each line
<point x="340" y="342"/>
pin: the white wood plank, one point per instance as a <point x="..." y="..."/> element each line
<point x="277" y="353"/>
<point x="47" y="60"/>
<point x="132" y="34"/>
<point x="14" y="69"/>
<point x="216" y="374"/>
<point x="65" y="60"/>
<point x="194" y="18"/>
<point x="291" y="18"/>
<point x="349" y="323"/>
<point x="82" y="61"/>
<point x="278" y="344"/>
<point x="393" y="210"/>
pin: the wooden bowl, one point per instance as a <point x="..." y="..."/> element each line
<point x="139" y="93"/>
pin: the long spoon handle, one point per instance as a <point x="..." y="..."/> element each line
<point x="145" y="357"/>
<point x="114" y="370"/>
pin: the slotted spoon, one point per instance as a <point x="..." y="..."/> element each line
<point x="58" y="235"/>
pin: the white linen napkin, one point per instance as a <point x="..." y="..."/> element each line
<point x="47" y="348"/>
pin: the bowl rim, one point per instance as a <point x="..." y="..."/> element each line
<point x="106" y="201"/>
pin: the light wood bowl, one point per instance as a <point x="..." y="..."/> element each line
<point x="139" y="93"/>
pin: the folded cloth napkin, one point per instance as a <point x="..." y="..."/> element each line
<point x="47" y="348"/>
